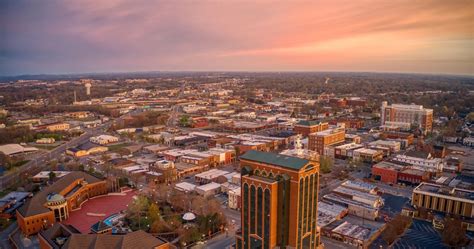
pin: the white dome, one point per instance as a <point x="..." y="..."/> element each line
<point x="189" y="216"/>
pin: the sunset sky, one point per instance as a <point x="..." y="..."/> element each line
<point x="144" y="35"/>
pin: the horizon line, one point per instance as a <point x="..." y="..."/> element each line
<point x="232" y="71"/>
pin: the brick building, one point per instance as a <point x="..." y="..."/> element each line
<point x="318" y="140"/>
<point x="305" y="127"/>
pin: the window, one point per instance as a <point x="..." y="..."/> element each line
<point x="300" y="211"/>
<point x="245" y="227"/>
<point x="252" y="209"/>
<point x="266" y="219"/>
<point x="259" y="211"/>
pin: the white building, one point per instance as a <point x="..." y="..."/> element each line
<point x="104" y="139"/>
<point x="432" y="165"/>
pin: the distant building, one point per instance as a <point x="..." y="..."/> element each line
<point x="104" y="139"/>
<point x="407" y="116"/>
<point x="86" y="149"/>
<point x="45" y="140"/>
<point x="59" y="126"/>
<point x="349" y="123"/>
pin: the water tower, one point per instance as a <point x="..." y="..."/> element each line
<point x="88" y="84"/>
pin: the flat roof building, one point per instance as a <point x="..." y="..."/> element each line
<point x="407" y="116"/>
<point x="444" y="199"/>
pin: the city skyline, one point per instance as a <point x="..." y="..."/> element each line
<point x="55" y="37"/>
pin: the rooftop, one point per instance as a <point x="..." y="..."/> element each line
<point x="468" y="195"/>
<point x="35" y="205"/>
<point x="289" y="162"/>
<point x="309" y="122"/>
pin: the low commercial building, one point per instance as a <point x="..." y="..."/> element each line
<point x="16" y="149"/>
<point x="444" y="199"/>
<point x="209" y="176"/>
<point x="209" y="189"/>
<point x="67" y="237"/>
<point x="43" y="176"/>
<point x="368" y="155"/>
<point x="356" y="235"/>
<point x="393" y="146"/>
<point x="359" y="198"/>
<point x="433" y="165"/>
<point x="356" y="208"/>
<point x="386" y="172"/>
<point x="343" y="151"/>
<point x="411" y="176"/>
<point x="11" y="202"/>
<point x="360" y="186"/>
<point x="46" y="140"/>
<point x="104" y="139"/>
<point x="330" y="212"/>
<point x="185" y="187"/>
<point x="86" y="149"/>
<point x="405" y="138"/>
<point x="58" y="126"/>
<point x="349" y="123"/>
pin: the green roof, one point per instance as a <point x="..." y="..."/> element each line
<point x="275" y="159"/>
<point x="309" y="122"/>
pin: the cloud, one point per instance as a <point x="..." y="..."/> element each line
<point x="123" y="35"/>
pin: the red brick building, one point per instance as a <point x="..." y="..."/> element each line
<point x="386" y="172"/>
<point x="199" y="122"/>
<point x="305" y="127"/>
<point x="413" y="176"/>
<point x="353" y="123"/>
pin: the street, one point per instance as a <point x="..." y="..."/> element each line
<point x="4" y="242"/>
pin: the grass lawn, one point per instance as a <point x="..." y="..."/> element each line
<point x="116" y="147"/>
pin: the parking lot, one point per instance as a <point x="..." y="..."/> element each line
<point x="393" y="204"/>
<point x="421" y="234"/>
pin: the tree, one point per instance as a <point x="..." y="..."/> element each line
<point x="153" y="213"/>
<point x="52" y="176"/>
<point x="184" y="121"/>
<point x="91" y="170"/>
<point x="107" y="166"/>
<point x="470" y="117"/>
<point x="5" y="160"/>
<point x="326" y="164"/>
<point x="136" y="209"/>
<point x="453" y="234"/>
<point x="395" y="228"/>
